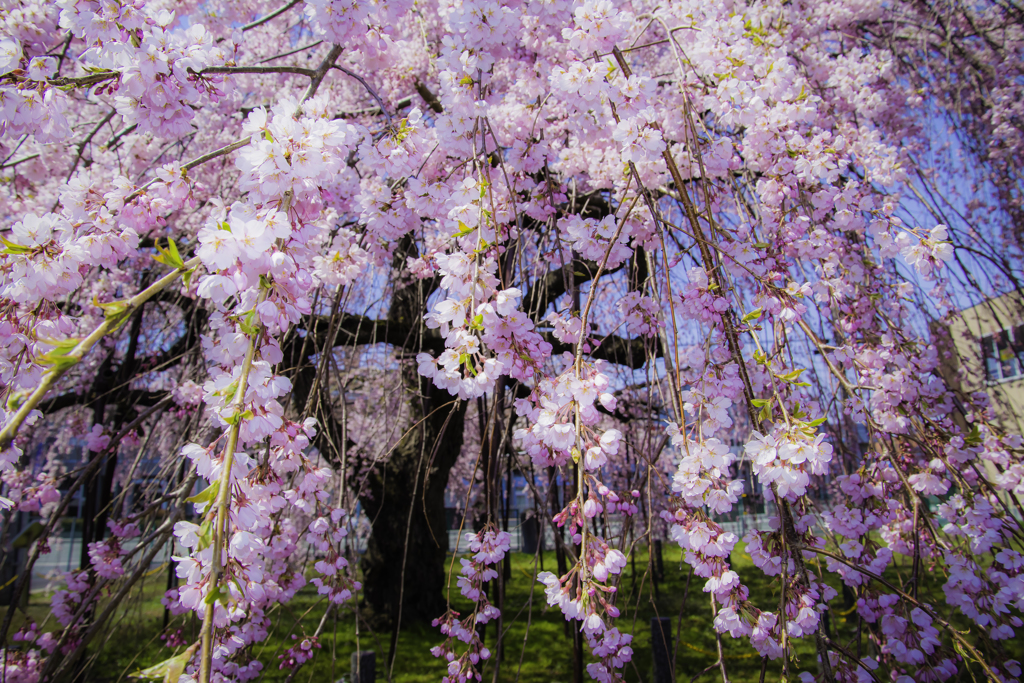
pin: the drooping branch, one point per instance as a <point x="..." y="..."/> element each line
<point x="117" y="313"/>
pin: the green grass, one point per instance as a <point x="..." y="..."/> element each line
<point x="133" y="640"/>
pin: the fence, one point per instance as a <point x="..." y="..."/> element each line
<point x="737" y="524"/>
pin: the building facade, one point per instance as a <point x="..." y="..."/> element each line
<point x="984" y="351"/>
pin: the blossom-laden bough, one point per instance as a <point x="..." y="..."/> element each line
<point x="670" y="257"/>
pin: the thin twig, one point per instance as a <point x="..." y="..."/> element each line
<point x="88" y="138"/>
<point x="56" y="515"/>
<point x="373" y="93"/>
<point x="73" y="357"/>
<point x="273" y="15"/>
<point x="30" y="157"/>
<point x="924" y="607"/>
<point x="290" y="52"/>
<point x="321" y="72"/>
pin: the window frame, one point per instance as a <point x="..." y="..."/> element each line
<point x="992" y="358"/>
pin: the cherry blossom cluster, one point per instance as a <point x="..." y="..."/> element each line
<point x="584" y="595"/>
<point x="986" y="596"/>
<point x="67" y="603"/>
<point x="551" y="411"/>
<point x="299" y="654"/>
<point x="640" y="314"/>
<point x="23" y="663"/>
<point x="927" y="254"/>
<point x="699" y="301"/>
<point x="787" y="461"/>
<point x="348" y="22"/>
<point x="28" y="492"/>
<point x="335" y="581"/>
<point x="591" y="238"/>
<point x="769" y="159"/>
<point x="259" y="566"/>
<point x="158" y="83"/>
<point x="564" y="427"/>
<point x="296" y="153"/>
<point x="489" y="547"/>
<point x="106" y="555"/>
<point x="703" y="475"/>
<point x="485" y="335"/>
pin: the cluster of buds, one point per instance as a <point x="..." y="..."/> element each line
<point x="488" y="547"/>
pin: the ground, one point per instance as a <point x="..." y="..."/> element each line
<point x="545" y="656"/>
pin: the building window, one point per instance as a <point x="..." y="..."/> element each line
<point x="1004" y="354"/>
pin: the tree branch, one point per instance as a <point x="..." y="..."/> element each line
<point x="309" y="73"/>
<point x="373" y="93"/>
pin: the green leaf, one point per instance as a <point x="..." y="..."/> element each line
<point x="16" y="398"/>
<point x="114" y="311"/>
<point x="248" y="323"/>
<point x="61" y="347"/>
<point x="218" y="594"/>
<point x="207" y="495"/>
<point x="172" y="248"/>
<point x="59" y="363"/>
<point x="815" y="423"/>
<point x="759" y="402"/>
<point x="467" y="360"/>
<point x="791" y="377"/>
<point x="974" y="438"/>
<point x="58" y="356"/>
<point x="168" y="670"/>
<point x="13" y="248"/>
<point x="205" y="534"/>
<point x="753" y="315"/>
<point x="169" y="256"/>
<point x="766" y="413"/>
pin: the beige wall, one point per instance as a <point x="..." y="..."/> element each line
<point x="964" y="365"/>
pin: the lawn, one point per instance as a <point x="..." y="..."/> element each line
<point x="545" y="656"/>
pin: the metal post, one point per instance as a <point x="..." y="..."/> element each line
<point x="661" y="649"/>
<point x="364" y="667"/>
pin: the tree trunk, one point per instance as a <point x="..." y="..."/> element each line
<point x="404" y="566"/>
<point x="404" y="570"/>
